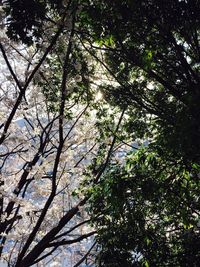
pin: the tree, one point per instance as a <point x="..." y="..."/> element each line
<point x="152" y="49"/>
<point x="146" y="212"/>
<point x="37" y="207"/>
<point x="48" y="135"/>
<point x="149" y="215"/>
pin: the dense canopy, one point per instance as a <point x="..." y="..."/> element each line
<point x="131" y="71"/>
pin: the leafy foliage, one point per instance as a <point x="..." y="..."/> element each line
<point x="145" y="208"/>
<point x="147" y="212"/>
<point x="155" y="59"/>
<point x="25" y="19"/>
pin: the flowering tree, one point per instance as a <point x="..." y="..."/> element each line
<point x="49" y="136"/>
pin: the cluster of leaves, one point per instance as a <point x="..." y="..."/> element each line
<point x="79" y="75"/>
<point x="147" y="212"/>
<point x="155" y="58"/>
<point x="25" y="19"/>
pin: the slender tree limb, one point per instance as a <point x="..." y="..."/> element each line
<point x="85" y="256"/>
